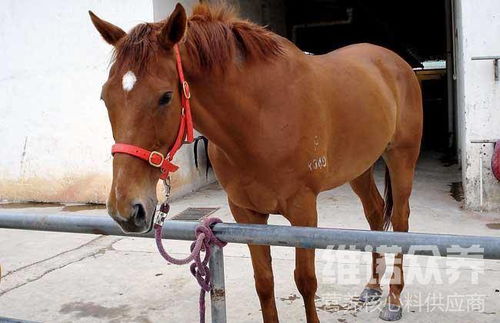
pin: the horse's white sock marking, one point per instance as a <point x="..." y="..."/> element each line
<point x="128" y="81"/>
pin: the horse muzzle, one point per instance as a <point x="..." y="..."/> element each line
<point x="138" y="218"/>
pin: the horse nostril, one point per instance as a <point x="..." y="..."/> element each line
<point x="139" y="215"/>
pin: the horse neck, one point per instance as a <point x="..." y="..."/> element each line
<point x="223" y="107"/>
<point x="230" y="107"/>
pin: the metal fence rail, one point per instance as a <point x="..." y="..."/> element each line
<point x="275" y="235"/>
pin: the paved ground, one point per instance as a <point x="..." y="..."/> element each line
<point x="57" y="277"/>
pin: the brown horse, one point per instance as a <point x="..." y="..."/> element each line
<point x="283" y="126"/>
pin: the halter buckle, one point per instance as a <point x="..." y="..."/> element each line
<point x="158" y="155"/>
<point x="185" y="89"/>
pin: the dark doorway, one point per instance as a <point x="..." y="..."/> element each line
<point x="416" y="30"/>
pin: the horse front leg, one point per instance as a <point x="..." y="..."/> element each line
<point x="301" y="211"/>
<point x="261" y="262"/>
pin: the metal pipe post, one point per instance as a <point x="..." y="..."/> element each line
<point x="495" y="63"/>
<point x="11" y="320"/>
<point x="218" y="292"/>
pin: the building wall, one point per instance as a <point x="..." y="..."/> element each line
<point x="55" y="136"/>
<point x="270" y="13"/>
<point x="162" y="8"/>
<point x="478" y="96"/>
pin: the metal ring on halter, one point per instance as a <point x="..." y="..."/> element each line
<point x="185" y="89"/>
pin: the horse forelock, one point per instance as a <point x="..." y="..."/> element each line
<point x="138" y="48"/>
<point x="215" y="37"/>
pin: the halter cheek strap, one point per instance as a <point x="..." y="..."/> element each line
<point x="157" y="159"/>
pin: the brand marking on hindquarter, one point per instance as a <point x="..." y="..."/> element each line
<point x="317" y="163"/>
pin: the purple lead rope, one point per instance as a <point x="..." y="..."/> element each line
<point x="205" y="238"/>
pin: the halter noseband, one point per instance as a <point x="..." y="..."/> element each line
<point x="154" y="158"/>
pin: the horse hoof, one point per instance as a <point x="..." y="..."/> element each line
<point x="391" y="312"/>
<point x="370" y="295"/>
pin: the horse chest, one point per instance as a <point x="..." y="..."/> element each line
<point x="251" y="186"/>
<point x="254" y="196"/>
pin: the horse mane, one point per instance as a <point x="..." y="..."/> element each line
<point x="215" y="37"/>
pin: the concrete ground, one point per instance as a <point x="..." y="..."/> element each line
<point x="59" y="277"/>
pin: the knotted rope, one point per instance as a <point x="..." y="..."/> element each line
<point x="205" y="238"/>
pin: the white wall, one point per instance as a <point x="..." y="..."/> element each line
<point x="55" y="137"/>
<point x="163" y="8"/>
<point x="478" y="25"/>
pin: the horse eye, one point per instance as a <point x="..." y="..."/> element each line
<point x="165" y="98"/>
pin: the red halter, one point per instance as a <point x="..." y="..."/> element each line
<point x="155" y="158"/>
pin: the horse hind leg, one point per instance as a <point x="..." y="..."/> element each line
<point x="373" y="205"/>
<point x="401" y="162"/>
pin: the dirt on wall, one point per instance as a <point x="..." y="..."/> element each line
<point x="90" y="188"/>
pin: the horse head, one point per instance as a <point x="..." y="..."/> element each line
<point x="143" y="97"/>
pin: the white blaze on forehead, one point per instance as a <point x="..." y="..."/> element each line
<point x="128" y="81"/>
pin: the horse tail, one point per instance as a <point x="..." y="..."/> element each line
<point x="388" y="200"/>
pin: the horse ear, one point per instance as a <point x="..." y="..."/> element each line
<point x="174" y="29"/>
<point x="111" y="33"/>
